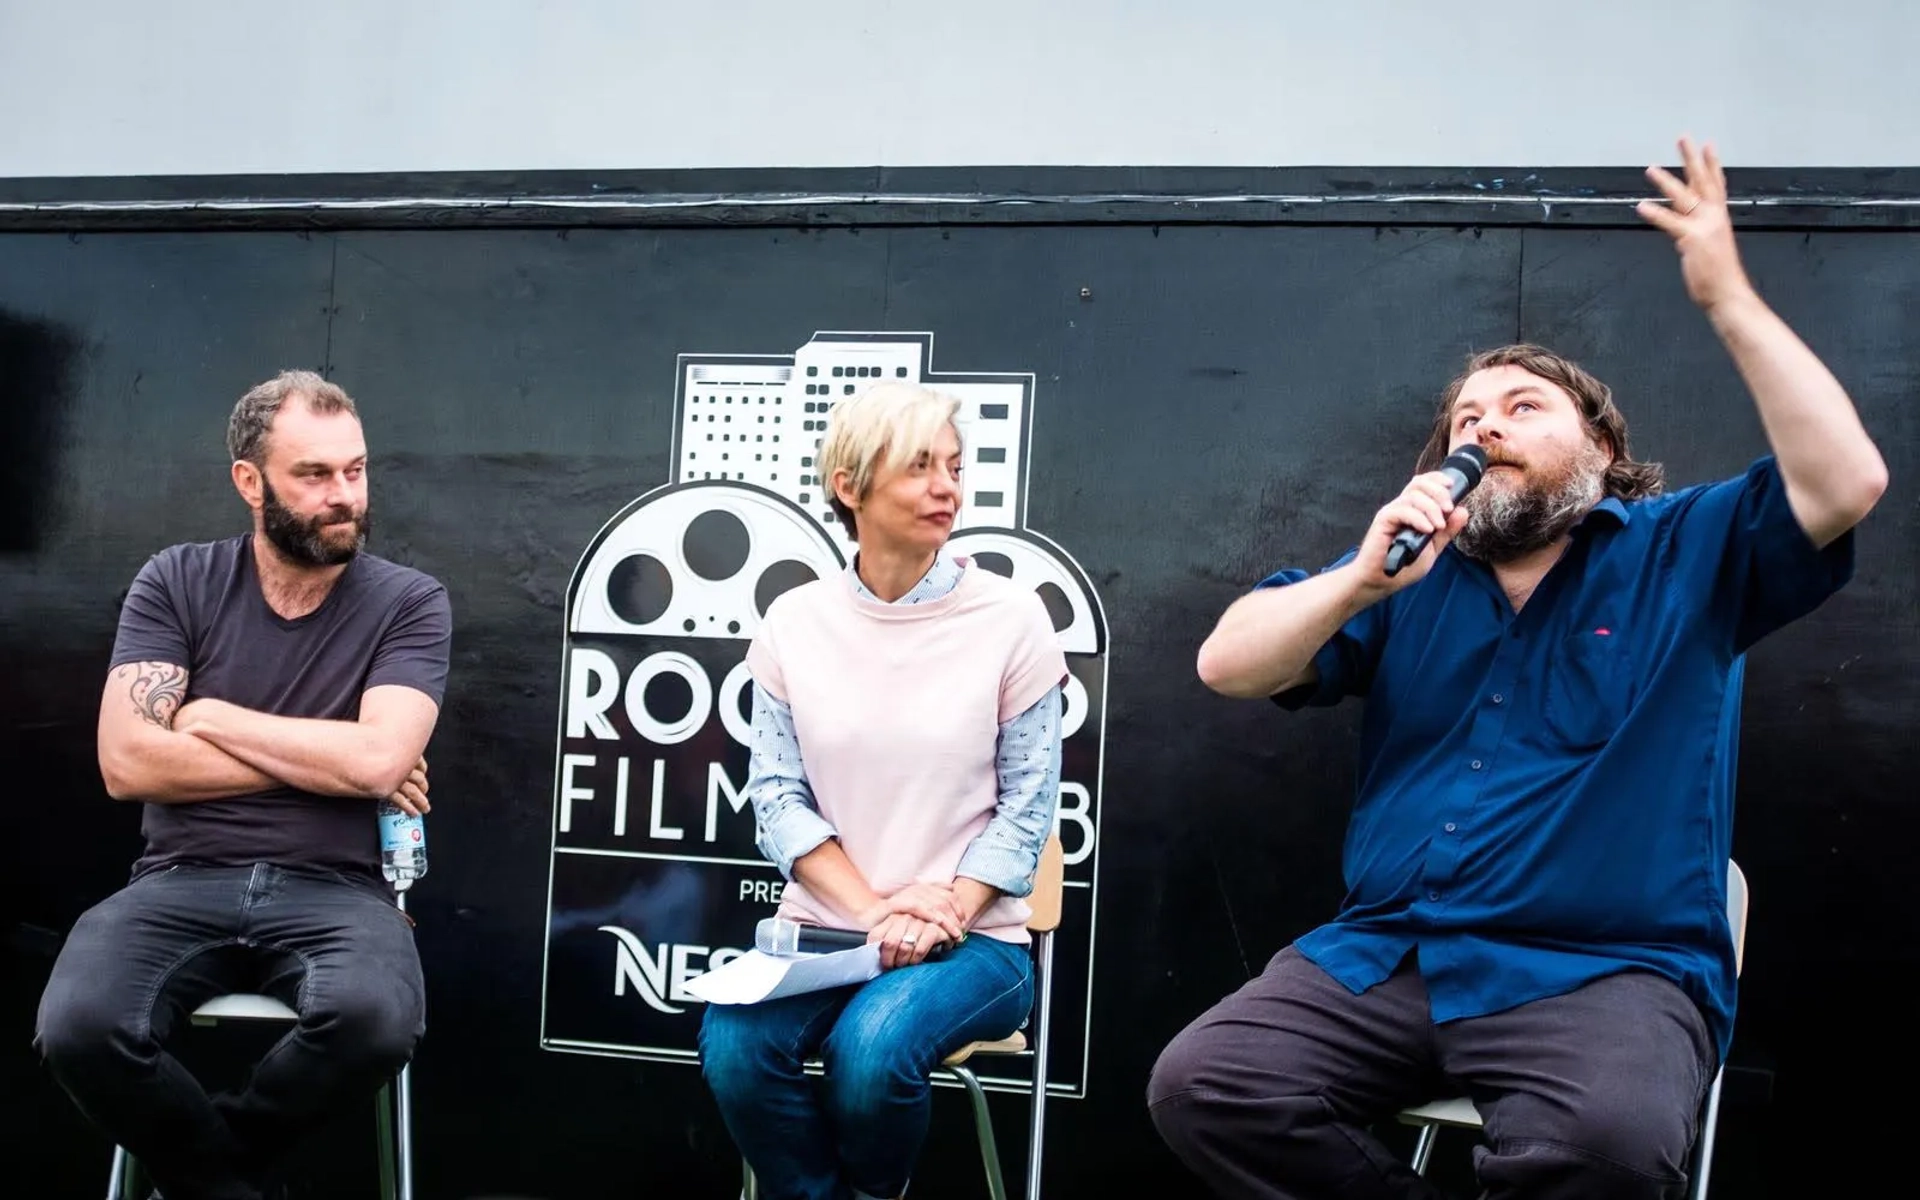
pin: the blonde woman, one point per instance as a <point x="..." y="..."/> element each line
<point x="904" y="772"/>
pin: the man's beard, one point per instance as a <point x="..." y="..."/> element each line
<point x="1506" y="522"/>
<point x="312" y="541"/>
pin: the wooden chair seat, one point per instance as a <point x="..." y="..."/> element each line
<point x="1014" y="1043"/>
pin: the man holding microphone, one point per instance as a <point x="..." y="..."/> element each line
<point x="1536" y="863"/>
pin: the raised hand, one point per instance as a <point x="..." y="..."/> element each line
<point x="1700" y="225"/>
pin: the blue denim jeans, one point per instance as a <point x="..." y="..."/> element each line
<point x="335" y="950"/>
<point x="859" y="1131"/>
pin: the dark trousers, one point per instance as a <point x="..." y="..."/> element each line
<point x="136" y="965"/>
<point x="1594" y="1094"/>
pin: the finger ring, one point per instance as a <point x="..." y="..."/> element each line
<point x="908" y="940"/>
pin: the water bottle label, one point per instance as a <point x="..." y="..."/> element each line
<point x="400" y="830"/>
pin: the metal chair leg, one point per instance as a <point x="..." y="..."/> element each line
<point x="983" y="1124"/>
<point x="120" y="1176"/>
<point x="129" y="1181"/>
<point x="1703" y="1149"/>
<point x="403" y="1110"/>
<point x="396" y="1106"/>
<point x="1037" y="1121"/>
<point x="384" y="1142"/>
<point x="1423" y="1148"/>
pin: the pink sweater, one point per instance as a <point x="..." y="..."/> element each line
<point x="898" y="710"/>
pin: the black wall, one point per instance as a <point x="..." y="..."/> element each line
<point x="1219" y="392"/>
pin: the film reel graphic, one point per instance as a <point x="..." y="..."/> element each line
<point x="655" y="875"/>
<point x="701" y="560"/>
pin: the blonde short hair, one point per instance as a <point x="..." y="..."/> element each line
<point x="882" y="427"/>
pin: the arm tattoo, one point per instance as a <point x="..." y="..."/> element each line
<point x="157" y="692"/>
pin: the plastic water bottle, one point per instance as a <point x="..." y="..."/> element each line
<point x="403" y="845"/>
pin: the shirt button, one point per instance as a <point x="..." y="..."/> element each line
<point x="1451" y="826"/>
<point x="1433" y="895"/>
<point x="1499" y="699"/>
<point x="1475" y="764"/>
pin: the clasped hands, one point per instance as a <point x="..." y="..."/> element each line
<point x="914" y="922"/>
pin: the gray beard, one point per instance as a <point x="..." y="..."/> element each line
<point x="1507" y="523"/>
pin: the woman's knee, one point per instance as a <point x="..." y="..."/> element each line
<point x="738" y="1052"/>
<point x="872" y="1074"/>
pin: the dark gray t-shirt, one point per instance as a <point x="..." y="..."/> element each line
<point x="200" y="606"/>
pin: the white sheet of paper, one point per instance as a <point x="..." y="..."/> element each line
<point x="754" y="976"/>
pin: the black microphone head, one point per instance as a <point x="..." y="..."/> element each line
<point x="1470" y="460"/>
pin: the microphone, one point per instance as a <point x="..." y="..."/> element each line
<point x="777" y="935"/>
<point x="1464" y="467"/>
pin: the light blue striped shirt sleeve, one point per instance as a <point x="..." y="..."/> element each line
<point x="1027" y="761"/>
<point x="787" y="820"/>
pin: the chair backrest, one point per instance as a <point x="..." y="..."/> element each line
<point x="1737" y="912"/>
<point x="1048" y="884"/>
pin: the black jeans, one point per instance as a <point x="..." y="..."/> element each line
<point x="136" y="965"/>
<point x="1594" y="1095"/>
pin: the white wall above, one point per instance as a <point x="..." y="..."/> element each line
<point x="133" y="87"/>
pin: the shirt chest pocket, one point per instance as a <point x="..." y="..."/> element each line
<point x="1589" y="690"/>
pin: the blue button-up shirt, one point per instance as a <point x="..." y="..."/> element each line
<point x="1026" y="764"/>
<point x="1546" y="797"/>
